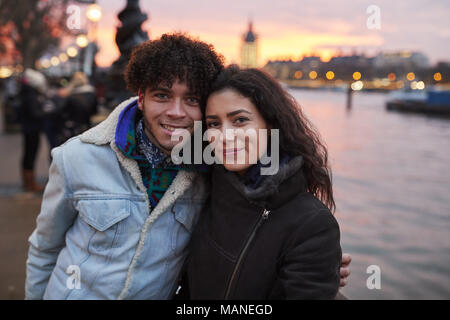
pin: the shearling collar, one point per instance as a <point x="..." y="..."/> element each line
<point x="104" y="132"/>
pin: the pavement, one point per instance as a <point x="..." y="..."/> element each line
<point x="18" y="211"/>
<point x="17" y="221"/>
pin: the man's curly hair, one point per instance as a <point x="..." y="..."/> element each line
<point x="173" y="56"/>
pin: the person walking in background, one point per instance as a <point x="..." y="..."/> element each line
<point x="54" y="117"/>
<point x="31" y="115"/>
<point x="11" y="102"/>
<point x="80" y="105"/>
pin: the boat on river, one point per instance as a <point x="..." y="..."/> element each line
<point x="432" y="102"/>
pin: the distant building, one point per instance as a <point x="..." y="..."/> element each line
<point x="405" y="59"/>
<point x="311" y="62"/>
<point x="249" y="49"/>
<point x="385" y="65"/>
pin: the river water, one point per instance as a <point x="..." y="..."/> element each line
<point x="391" y="181"/>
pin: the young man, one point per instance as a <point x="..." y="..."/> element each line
<point x="117" y="214"/>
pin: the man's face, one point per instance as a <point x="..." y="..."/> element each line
<point x="167" y="111"/>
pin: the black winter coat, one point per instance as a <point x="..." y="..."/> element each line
<point x="31" y="113"/>
<point x="273" y="242"/>
<point x="81" y="104"/>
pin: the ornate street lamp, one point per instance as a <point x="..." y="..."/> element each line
<point x="129" y="35"/>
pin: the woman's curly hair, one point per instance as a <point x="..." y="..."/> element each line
<point x="173" y="56"/>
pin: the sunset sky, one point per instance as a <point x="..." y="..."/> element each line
<point x="291" y="28"/>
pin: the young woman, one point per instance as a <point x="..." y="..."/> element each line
<point x="264" y="236"/>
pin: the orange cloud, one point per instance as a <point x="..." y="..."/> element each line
<point x="108" y="51"/>
<point x="287" y="42"/>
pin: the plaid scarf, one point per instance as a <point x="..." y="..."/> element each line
<point x="157" y="171"/>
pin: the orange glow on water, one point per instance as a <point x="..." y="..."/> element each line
<point x="392" y="76"/>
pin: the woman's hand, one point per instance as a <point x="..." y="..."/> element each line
<point x="345" y="269"/>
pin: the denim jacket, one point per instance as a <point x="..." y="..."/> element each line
<point x="96" y="236"/>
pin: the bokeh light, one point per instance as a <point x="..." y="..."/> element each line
<point x="94" y="12"/>
<point x="437" y="76"/>
<point x="357" y="85"/>
<point x="82" y="41"/>
<point x="72" y="52"/>
<point x="330" y="75"/>
<point x="356" y="75"/>
<point x="63" y="57"/>
<point x="410" y="76"/>
<point x="54" y="61"/>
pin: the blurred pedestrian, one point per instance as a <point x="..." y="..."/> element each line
<point x="53" y="123"/>
<point x="32" y="95"/>
<point x="11" y="102"/>
<point x="80" y="105"/>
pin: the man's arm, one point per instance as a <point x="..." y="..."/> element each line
<point x="56" y="216"/>
<point x="345" y="269"/>
<point x="310" y="268"/>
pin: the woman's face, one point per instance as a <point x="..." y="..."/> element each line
<point x="237" y="129"/>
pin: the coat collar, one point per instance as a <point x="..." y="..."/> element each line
<point x="274" y="191"/>
<point x="105" y="131"/>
